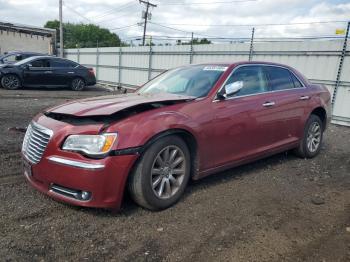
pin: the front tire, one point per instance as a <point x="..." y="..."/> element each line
<point x="310" y="145"/>
<point x="161" y="175"/>
<point x="77" y="84"/>
<point x="11" y="82"/>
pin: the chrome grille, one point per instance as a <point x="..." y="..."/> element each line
<point x="35" y="141"/>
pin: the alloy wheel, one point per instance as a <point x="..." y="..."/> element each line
<point x="10" y="82"/>
<point x="168" y="172"/>
<point x="78" y="84"/>
<point x="314" y="137"/>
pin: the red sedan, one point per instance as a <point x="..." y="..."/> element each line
<point x="186" y="123"/>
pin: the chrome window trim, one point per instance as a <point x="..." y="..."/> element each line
<point x="75" y="163"/>
<point x="266" y="65"/>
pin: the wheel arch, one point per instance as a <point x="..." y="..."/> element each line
<point x="186" y="136"/>
<point x="322" y="114"/>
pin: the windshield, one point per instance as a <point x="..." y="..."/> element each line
<point x="194" y="81"/>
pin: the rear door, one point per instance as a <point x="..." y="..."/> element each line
<point x="290" y="98"/>
<point x="63" y="70"/>
<point x="38" y="73"/>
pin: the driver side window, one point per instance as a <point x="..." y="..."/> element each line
<point x="253" y="79"/>
<point x="40" y="63"/>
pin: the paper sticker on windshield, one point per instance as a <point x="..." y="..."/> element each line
<point x="215" y="68"/>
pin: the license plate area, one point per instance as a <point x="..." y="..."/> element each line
<point x="27" y="168"/>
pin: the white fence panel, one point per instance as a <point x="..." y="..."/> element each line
<point x="318" y="60"/>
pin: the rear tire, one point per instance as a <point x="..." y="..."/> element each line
<point x="161" y="175"/>
<point x="310" y="145"/>
<point x="11" y="82"/>
<point x="77" y="84"/>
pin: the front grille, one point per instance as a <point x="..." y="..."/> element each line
<point x="35" y="142"/>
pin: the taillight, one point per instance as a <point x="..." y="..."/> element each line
<point x="91" y="72"/>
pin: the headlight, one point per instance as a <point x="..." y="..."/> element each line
<point x="90" y="144"/>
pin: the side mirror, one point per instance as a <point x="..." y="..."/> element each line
<point x="28" y="66"/>
<point x="233" y="88"/>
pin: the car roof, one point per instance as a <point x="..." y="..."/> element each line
<point x="233" y="64"/>
<point x="24" y="52"/>
<point x="50" y="57"/>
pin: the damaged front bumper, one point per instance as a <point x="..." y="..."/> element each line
<point x="100" y="184"/>
<point x="75" y="179"/>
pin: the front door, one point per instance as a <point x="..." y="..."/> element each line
<point x="244" y="121"/>
<point x="38" y="73"/>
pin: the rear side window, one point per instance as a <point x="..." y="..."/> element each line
<point x="280" y="78"/>
<point x="62" y="63"/>
<point x="297" y="83"/>
<point x="253" y="78"/>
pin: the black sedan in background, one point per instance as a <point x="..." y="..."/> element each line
<point x="46" y="71"/>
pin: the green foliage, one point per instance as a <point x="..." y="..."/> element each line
<point x="195" y="41"/>
<point x="85" y="35"/>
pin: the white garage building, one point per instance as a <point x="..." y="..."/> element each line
<point x="17" y="37"/>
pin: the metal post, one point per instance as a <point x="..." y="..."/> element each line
<point x="251" y="45"/>
<point x="341" y="62"/>
<point x="61" y="28"/>
<point x="150" y="60"/>
<point x="120" y="68"/>
<point x="191" y="49"/>
<point x="78" y="56"/>
<point x="97" y="62"/>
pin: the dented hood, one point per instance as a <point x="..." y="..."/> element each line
<point x="107" y="105"/>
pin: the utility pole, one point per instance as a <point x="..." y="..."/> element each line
<point x="61" y="29"/>
<point x="148" y="4"/>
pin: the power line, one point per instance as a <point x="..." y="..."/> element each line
<point x="208" y="3"/>
<point x="187" y="32"/>
<point x="123" y="27"/>
<point x="259" y="25"/>
<point x="113" y="10"/>
<point x="89" y="20"/>
<point x="262" y="39"/>
<point x="77" y="13"/>
<point x="126" y="12"/>
<point x="111" y="19"/>
<point x="92" y="22"/>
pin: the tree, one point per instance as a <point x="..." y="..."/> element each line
<point x="195" y="41"/>
<point x="85" y="35"/>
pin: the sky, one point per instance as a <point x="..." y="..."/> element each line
<point x="171" y="19"/>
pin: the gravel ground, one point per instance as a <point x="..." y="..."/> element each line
<point x="278" y="209"/>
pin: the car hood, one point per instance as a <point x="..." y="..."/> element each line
<point x="2" y="65"/>
<point x="107" y="105"/>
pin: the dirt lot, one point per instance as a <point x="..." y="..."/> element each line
<point x="279" y="209"/>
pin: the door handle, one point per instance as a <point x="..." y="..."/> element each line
<point x="70" y="72"/>
<point x="48" y="72"/>
<point x="267" y="104"/>
<point x="304" y="98"/>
